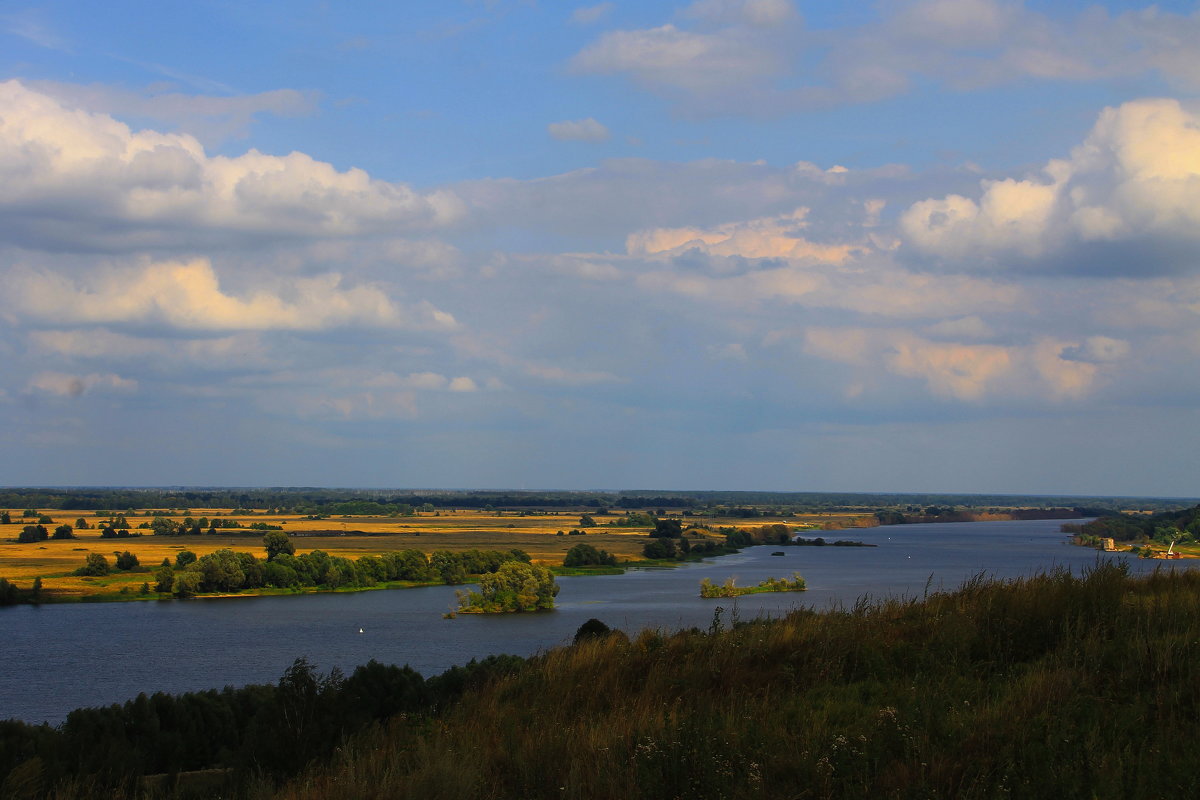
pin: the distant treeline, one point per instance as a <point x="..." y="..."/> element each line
<point x="952" y="514"/>
<point x="1181" y="526"/>
<point x="394" y="501"/>
<point x="228" y="571"/>
<point x="271" y="730"/>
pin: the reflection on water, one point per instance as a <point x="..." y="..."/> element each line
<point x="66" y="656"/>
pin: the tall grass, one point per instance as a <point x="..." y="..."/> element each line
<point x="1052" y="685"/>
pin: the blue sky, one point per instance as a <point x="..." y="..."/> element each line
<point x="913" y="245"/>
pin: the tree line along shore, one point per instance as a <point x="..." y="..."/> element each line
<point x="51" y="555"/>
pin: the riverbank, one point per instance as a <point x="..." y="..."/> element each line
<point x="54" y="561"/>
<point x="23" y="596"/>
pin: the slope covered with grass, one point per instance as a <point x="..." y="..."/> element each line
<point x="1049" y="686"/>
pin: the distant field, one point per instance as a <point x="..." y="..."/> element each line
<point x="53" y="560"/>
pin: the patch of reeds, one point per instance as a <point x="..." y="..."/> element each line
<point x="730" y="588"/>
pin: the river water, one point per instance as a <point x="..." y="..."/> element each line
<point x="61" y="657"/>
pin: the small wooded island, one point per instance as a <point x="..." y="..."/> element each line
<point x="515" y="586"/>
<point x="730" y="589"/>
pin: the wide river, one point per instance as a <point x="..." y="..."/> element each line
<point x="61" y="657"/>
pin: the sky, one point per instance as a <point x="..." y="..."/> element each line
<point x="901" y="246"/>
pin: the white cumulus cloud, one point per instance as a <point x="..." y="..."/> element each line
<point x="72" y="178"/>
<point x="1134" y="181"/>
<point x="188" y="296"/>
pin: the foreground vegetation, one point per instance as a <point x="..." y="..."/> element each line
<point x="1050" y="686"/>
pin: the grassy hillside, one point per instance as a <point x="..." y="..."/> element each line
<point x="1050" y="686"/>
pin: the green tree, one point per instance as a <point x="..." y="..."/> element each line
<point x="94" y="564"/>
<point x="516" y="586"/>
<point x="667" y="528"/>
<point x="277" y="543"/>
<point x="221" y="571"/>
<point x="126" y="561"/>
<point x="592" y="629"/>
<point x="33" y="533"/>
<point x="184" y="558"/>
<point x="63" y="532"/>
<point x="5" y="518"/>
<point x="585" y="521"/>
<point x="584" y="555"/>
<point x="164" y="526"/>
<point x="187" y="583"/>
<point x="449" y="566"/>
<point x="659" y="548"/>
<point x="164" y="578"/>
<point x="81" y="524"/>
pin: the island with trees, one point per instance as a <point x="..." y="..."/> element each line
<point x="513" y="587"/>
<point x="730" y="588"/>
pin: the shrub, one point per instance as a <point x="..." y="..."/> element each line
<point x="33" y="533"/>
<point x="659" y="548"/>
<point x="94" y="564"/>
<point x="584" y="555"/>
<point x="592" y="629"/>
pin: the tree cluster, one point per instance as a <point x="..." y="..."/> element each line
<point x="1180" y="526"/>
<point x="33" y="533"/>
<point x="227" y="571"/>
<point x="515" y="586"/>
<point x="274" y="729"/>
<point x="584" y="555"/>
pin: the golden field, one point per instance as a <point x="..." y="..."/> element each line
<point x="54" y="559"/>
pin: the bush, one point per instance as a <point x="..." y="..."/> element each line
<point x="187" y="583"/>
<point x="94" y="564"/>
<point x="516" y="586"/>
<point x="164" y="578"/>
<point x="592" y="629"/>
<point x="33" y="533"/>
<point x="63" y="532"/>
<point x="667" y="528"/>
<point x="126" y="560"/>
<point x="659" y="548"/>
<point x="584" y="555"/>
